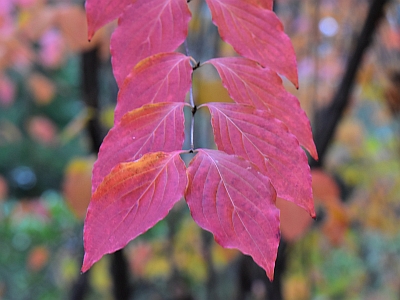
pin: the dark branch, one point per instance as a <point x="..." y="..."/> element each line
<point x="327" y="119"/>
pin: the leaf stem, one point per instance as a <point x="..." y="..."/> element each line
<point x="194" y="109"/>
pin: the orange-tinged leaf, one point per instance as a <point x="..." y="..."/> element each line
<point x="295" y="222"/>
<point x="164" y="77"/>
<point x="268" y="4"/>
<point x="230" y="198"/>
<point x="130" y="200"/>
<point x="101" y="12"/>
<point x="249" y="83"/>
<point x="263" y="140"/>
<point x="159" y="26"/>
<point x="151" y="128"/>
<point x="3" y="188"/>
<point x="37" y="258"/>
<point x="42" y="88"/>
<point x="255" y="33"/>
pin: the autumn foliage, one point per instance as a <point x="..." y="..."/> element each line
<point x="231" y="192"/>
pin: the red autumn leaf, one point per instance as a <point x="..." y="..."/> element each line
<point x="151" y="128"/>
<point x="130" y="200"/>
<point x="230" y="198"/>
<point x="101" y="12"/>
<point x="159" y="26"/>
<point x="249" y="83"/>
<point x="263" y="140"/>
<point x="164" y="77"/>
<point x="255" y="33"/>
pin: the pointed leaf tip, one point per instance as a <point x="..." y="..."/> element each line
<point x="227" y="196"/>
<point x="130" y="200"/>
<point x="101" y="12"/>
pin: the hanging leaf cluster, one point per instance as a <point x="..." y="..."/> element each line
<point x="139" y="174"/>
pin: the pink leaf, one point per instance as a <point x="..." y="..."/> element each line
<point x="255" y="33"/>
<point x="249" y="83"/>
<point x="159" y="26"/>
<point x="151" y="128"/>
<point x="101" y="12"/>
<point x="229" y="198"/>
<point x="130" y="200"/>
<point x="263" y="140"/>
<point x="164" y="77"/>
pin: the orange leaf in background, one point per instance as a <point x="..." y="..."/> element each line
<point x="42" y="130"/>
<point x="323" y="185"/>
<point x="71" y="21"/>
<point x="139" y="255"/>
<point x="42" y="89"/>
<point x="3" y="188"/>
<point x="327" y="194"/>
<point x="37" y="258"/>
<point x="7" y="91"/>
<point x="77" y="185"/>
<point x="295" y="221"/>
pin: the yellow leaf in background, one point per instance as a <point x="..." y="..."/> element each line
<point x="107" y="116"/>
<point x="187" y="250"/>
<point x="77" y="185"/>
<point x="100" y="278"/>
<point x="209" y="88"/>
<point x="158" y="266"/>
<point x="221" y="256"/>
<point x="69" y="268"/>
<point x="296" y="288"/>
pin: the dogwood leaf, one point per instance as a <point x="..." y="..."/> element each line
<point x="227" y="196"/>
<point x="159" y="26"/>
<point x="249" y="83"/>
<point x="263" y="140"/>
<point x="130" y="200"/>
<point x="164" y="77"/>
<point x="255" y="33"/>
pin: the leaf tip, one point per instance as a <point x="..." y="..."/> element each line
<point x="87" y="263"/>
<point x="314" y="216"/>
<point x="90" y="35"/>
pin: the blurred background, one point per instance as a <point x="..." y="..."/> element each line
<point x="57" y="96"/>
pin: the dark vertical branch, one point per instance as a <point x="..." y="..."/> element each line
<point x="81" y="287"/>
<point x="90" y="80"/>
<point x="120" y="276"/>
<point x="326" y="119"/>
